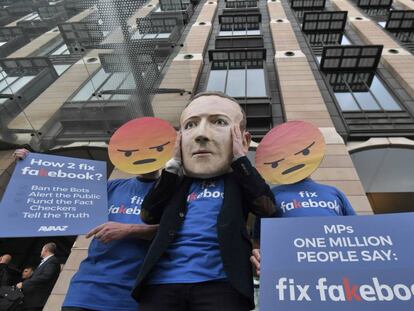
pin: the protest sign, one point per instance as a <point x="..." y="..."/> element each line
<point x="52" y="195"/>
<point x="337" y="263"/>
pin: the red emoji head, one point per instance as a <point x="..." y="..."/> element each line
<point x="142" y="145"/>
<point x="290" y="152"/>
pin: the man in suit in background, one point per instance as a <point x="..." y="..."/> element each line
<point x="37" y="289"/>
<point x="27" y="273"/>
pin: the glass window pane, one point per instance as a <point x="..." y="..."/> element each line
<point x="163" y="35"/>
<point x="345" y="40"/>
<point x="225" y="33"/>
<point x="149" y="36"/>
<point x="18" y="84"/>
<point x="239" y="32"/>
<point x="112" y="84"/>
<point x="236" y="82"/>
<point x="383" y="96"/>
<point x="255" y="32"/>
<point x="256" y="86"/>
<point x="85" y="92"/>
<point x="136" y="36"/>
<point x="346" y="102"/>
<point x="366" y="101"/>
<point x="383" y="99"/>
<point x="128" y="84"/>
<point x="5" y="82"/>
<point x="61" y="68"/>
<point x="89" y="88"/>
<point x="62" y="50"/>
<point x="32" y="16"/>
<point x="217" y="80"/>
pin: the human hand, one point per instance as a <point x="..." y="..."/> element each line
<point x="109" y="231"/>
<point x="21" y="154"/>
<point x="177" y="148"/>
<point x="19" y="285"/>
<point x="255" y="260"/>
<point x="238" y="147"/>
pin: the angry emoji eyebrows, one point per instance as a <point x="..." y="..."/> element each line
<point x="129" y="151"/>
<point x="304" y="149"/>
<point x="160" y="146"/>
<point x="274" y="164"/>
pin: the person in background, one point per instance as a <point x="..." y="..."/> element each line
<point x="38" y="287"/>
<point x="9" y="274"/>
<point x="27" y="273"/>
<point x="4" y="269"/>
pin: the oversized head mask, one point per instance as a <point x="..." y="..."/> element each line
<point x="290" y="152"/>
<point x="206" y="143"/>
<point x="142" y="145"/>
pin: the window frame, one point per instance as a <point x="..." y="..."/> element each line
<point x="240" y="59"/>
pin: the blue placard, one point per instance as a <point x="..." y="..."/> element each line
<point x="52" y="195"/>
<point x="338" y="263"/>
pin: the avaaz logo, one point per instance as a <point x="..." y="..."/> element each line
<point x="52" y="228"/>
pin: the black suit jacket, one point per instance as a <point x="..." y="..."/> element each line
<point x="244" y="191"/>
<point x="37" y="289"/>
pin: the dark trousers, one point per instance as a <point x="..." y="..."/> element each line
<point x="206" y="296"/>
<point x="75" y="309"/>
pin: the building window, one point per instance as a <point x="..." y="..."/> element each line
<point x="159" y="35"/>
<point x="375" y="8"/>
<point x="238" y="73"/>
<point x="156" y="28"/>
<point x="34" y="16"/>
<point x="61" y="68"/>
<point x="61" y="50"/>
<point x="240" y="25"/>
<point x="240" y="4"/>
<point x="12" y="84"/>
<point x="174" y="5"/>
<point x="400" y="23"/>
<point x="103" y="81"/>
<point x="302" y="6"/>
<point x="350" y="71"/>
<point x="375" y="98"/>
<point x="81" y="34"/>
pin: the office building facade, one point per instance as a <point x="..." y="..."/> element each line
<point x="73" y="71"/>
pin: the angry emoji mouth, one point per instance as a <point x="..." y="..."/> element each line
<point x="145" y="161"/>
<point x="292" y="169"/>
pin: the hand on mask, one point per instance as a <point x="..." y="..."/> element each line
<point x="177" y="148"/>
<point x="174" y="165"/>
<point x="238" y="147"/>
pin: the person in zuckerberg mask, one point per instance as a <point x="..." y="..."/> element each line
<point x="199" y="260"/>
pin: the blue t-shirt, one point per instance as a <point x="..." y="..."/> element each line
<point x="194" y="256"/>
<point x="307" y="198"/>
<point x="106" y="277"/>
